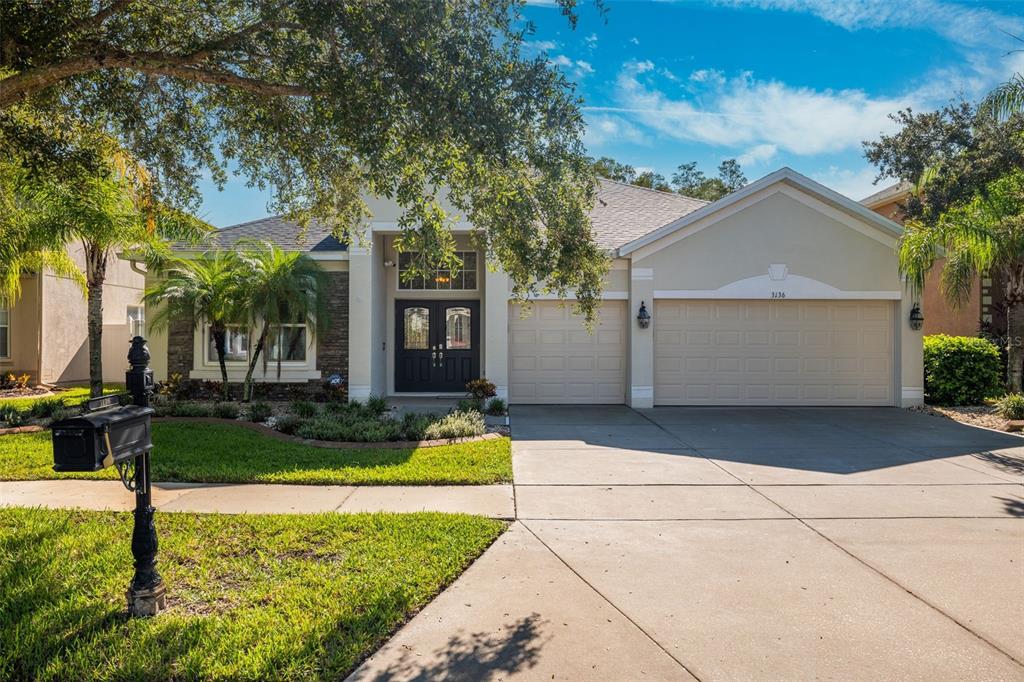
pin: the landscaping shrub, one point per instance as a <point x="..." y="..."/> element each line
<point x="497" y="407"/>
<point x="11" y="415"/>
<point x="289" y="424"/>
<point x="10" y="381"/>
<point x="45" y="408"/>
<point x="184" y="409"/>
<point x="260" y="412"/>
<point x="339" y="428"/>
<point x="469" y="405"/>
<point x="376" y="405"/>
<point x="960" y="370"/>
<point x="481" y="389"/>
<point x="457" y="425"/>
<point x="225" y="410"/>
<point x="304" y="408"/>
<point x="1011" y="406"/>
<point x="414" y="426"/>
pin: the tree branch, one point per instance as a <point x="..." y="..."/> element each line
<point x="27" y="83"/>
<point x="101" y="16"/>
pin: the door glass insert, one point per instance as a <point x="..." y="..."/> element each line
<point x="417" y="329"/>
<point x="458" y="321"/>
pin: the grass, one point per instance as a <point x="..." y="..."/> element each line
<point x="249" y="597"/>
<point x="72" y="396"/>
<point x="224" y="453"/>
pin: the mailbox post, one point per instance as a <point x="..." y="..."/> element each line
<point x="146" y="592"/>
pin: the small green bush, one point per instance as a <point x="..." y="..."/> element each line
<point x="304" y="409"/>
<point x="481" y="389"/>
<point x="376" y="405"/>
<point x="414" y="426"/>
<point x="457" y="425"/>
<point x="329" y="427"/>
<point x="289" y="423"/>
<point x="11" y="415"/>
<point x="497" y="407"/>
<point x="469" y="405"/>
<point x="185" y="408"/>
<point x="260" y="412"/>
<point x="46" y="407"/>
<point x="1011" y="406"/>
<point x="226" y="410"/>
<point x="960" y="370"/>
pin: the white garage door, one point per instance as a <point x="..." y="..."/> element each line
<point x="554" y="359"/>
<point x="773" y="352"/>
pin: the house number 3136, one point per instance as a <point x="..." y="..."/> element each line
<point x="778" y="294"/>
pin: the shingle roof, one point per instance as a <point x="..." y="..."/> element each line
<point x="283" y="233"/>
<point x="621" y="214"/>
<point x="624" y="212"/>
<point x="887" y="194"/>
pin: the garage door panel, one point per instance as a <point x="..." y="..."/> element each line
<point x="763" y="352"/>
<point x="567" y="364"/>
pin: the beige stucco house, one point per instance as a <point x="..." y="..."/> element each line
<point x="782" y="293"/>
<point x="44" y="334"/>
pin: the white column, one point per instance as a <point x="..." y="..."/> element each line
<point x="641" y="341"/>
<point x="910" y="363"/>
<point x="496" y="330"/>
<point x="360" y="322"/>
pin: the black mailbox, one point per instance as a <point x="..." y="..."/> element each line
<point x="97" y="440"/>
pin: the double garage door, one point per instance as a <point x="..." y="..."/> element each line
<point x="710" y="353"/>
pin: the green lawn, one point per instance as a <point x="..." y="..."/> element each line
<point x="249" y="597"/>
<point x="224" y="453"/>
<point x="72" y="396"/>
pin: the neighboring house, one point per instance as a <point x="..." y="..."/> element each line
<point x="44" y="334"/>
<point x="782" y="293"/>
<point x="983" y="307"/>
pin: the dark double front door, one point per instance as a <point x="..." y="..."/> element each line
<point x="437" y="345"/>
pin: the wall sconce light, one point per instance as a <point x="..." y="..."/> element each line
<point x="916" y="318"/>
<point x="643" y="318"/>
<point x="389" y="263"/>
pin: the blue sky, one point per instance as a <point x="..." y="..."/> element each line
<point x="774" y="83"/>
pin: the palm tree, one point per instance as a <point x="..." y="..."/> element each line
<point x="1006" y="100"/>
<point x="984" y="235"/>
<point x="109" y="212"/>
<point x="279" y="288"/>
<point x="206" y="290"/>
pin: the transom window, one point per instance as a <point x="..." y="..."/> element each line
<point x="441" y="278"/>
<point x="5" y="333"/>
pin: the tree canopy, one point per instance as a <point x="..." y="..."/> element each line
<point x="688" y="180"/>
<point x="320" y="100"/>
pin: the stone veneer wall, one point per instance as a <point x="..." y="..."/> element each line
<point x="332" y="342"/>
<point x="180" y="334"/>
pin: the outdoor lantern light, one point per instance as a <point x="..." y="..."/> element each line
<point x="643" y="318"/>
<point x="916" y="318"/>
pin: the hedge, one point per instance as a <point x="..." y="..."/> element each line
<point x="961" y="370"/>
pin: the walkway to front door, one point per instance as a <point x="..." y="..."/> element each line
<point x="437" y="345"/>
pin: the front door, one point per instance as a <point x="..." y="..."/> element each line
<point x="437" y="345"/>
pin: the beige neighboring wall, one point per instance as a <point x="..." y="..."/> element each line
<point x="65" y="347"/>
<point x="24" y="332"/>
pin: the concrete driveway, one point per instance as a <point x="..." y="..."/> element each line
<point x="740" y="544"/>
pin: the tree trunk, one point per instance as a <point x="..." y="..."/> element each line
<point x="96" y="273"/>
<point x="220" y="343"/>
<point x="247" y="385"/>
<point x="1015" y="328"/>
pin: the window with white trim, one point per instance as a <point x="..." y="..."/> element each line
<point x="287" y="343"/>
<point x="443" y="279"/>
<point x="136" y="321"/>
<point x="5" y="333"/>
<point x="236" y="345"/>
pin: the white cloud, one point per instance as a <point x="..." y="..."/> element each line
<point x="744" y="111"/>
<point x="969" y="25"/>
<point x="853" y="183"/>
<point x="761" y="153"/>
<point x="591" y="40"/>
<point x="540" y="45"/>
<point x="634" y="40"/>
<point x="604" y="129"/>
<point x="577" y="68"/>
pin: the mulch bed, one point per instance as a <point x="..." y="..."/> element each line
<point x="336" y="445"/>
<point x="975" y="415"/>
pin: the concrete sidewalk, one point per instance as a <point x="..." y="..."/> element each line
<point x="495" y="501"/>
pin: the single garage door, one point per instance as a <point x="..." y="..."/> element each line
<point x="554" y="359"/>
<point x="773" y="352"/>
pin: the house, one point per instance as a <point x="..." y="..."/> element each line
<point x="782" y="293"/>
<point x="44" y="334"/>
<point x="983" y="307"/>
